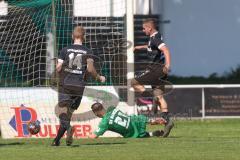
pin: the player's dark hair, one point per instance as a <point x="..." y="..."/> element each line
<point x="97" y="107"/>
<point x="79" y="33"/>
<point x="151" y="21"/>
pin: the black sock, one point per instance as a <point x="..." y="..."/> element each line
<point x="64" y="125"/>
<point x="64" y="120"/>
<point x="165" y="115"/>
<point x="60" y="133"/>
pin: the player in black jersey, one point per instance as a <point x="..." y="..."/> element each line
<point x="156" y="72"/>
<point x="74" y="62"/>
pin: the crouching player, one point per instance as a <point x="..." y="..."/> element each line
<point x="115" y="120"/>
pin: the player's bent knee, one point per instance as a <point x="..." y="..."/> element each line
<point x="63" y="104"/>
<point x="59" y="110"/>
<point x="133" y="82"/>
<point x="137" y="86"/>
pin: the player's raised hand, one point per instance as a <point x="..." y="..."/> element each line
<point x="166" y="69"/>
<point x="102" y="79"/>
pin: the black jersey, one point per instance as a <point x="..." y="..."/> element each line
<point x="153" y="51"/>
<point x="74" y="59"/>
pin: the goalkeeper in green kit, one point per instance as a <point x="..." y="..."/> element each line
<point x="115" y="120"/>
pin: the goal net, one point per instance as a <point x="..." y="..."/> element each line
<point x="32" y="32"/>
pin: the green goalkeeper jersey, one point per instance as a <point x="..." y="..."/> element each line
<point x="127" y="126"/>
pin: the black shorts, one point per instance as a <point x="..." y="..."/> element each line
<point x="70" y="98"/>
<point x="153" y="76"/>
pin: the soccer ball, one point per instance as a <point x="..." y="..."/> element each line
<point x="33" y="127"/>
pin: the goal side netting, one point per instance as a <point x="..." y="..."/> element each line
<point x="32" y="32"/>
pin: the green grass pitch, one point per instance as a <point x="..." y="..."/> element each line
<point x="189" y="140"/>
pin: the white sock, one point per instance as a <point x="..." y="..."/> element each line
<point x="151" y="134"/>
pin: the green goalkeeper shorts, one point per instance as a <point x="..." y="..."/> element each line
<point x="140" y="122"/>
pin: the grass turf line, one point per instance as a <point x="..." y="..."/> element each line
<point x="190" y="139"/>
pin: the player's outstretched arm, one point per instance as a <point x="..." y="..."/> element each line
<point x="140" y="47"/>
<point x="91" y="69"/>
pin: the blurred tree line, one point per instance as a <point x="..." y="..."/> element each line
<point x="230" y="77"/>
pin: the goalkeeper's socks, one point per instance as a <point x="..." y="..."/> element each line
<point x="60" y="133"/>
